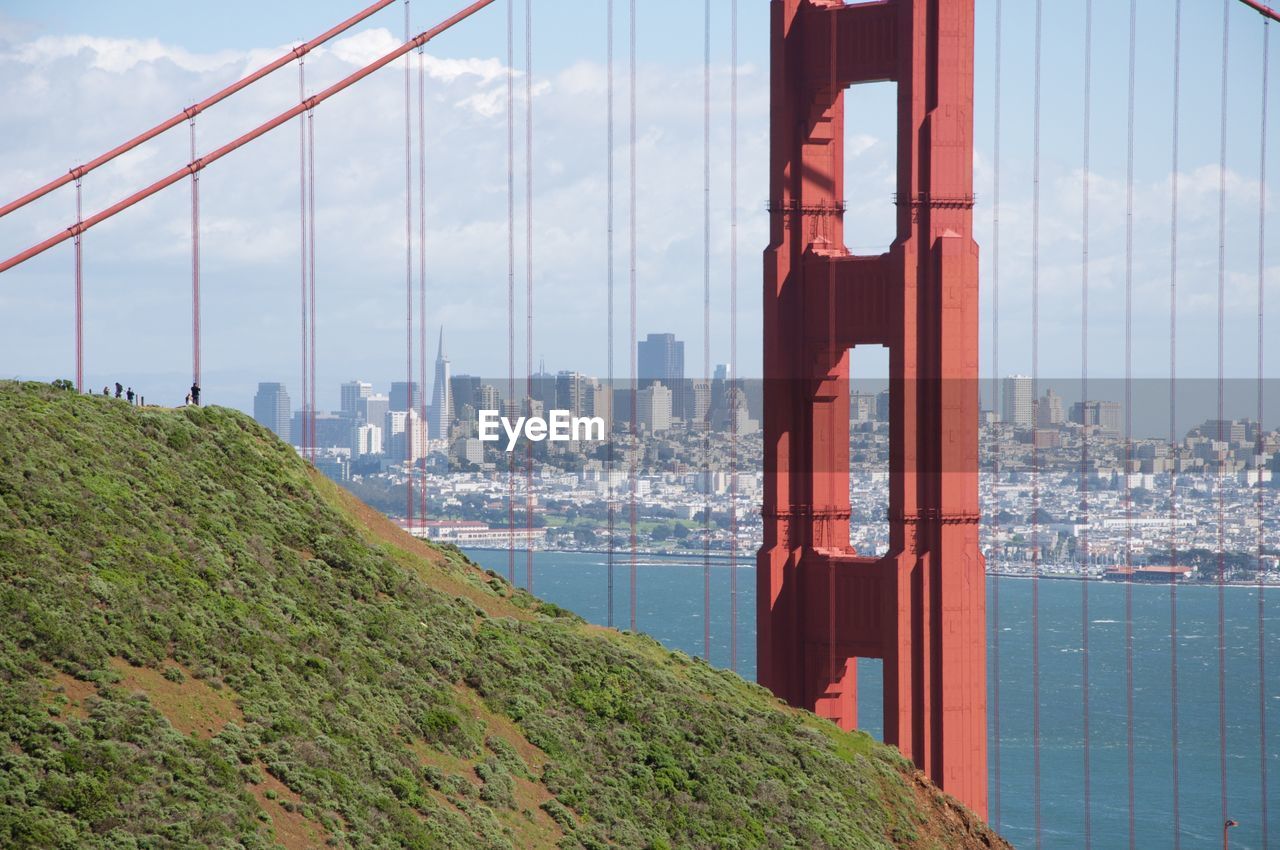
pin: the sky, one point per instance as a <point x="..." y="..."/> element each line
<point x="79" y="76"/>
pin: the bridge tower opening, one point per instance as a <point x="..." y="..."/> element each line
<point x="921" y="606"/>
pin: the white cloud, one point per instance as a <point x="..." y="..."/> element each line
<point x="116" y="55"/>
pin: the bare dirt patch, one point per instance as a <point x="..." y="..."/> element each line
<point x="952" y="825"/>
<point x="76" y="693"/>
<point x="191" y="705"/>
<point x="532" y="826"/>
<point x="292" y="829"/>
<point x="502" y="727"/>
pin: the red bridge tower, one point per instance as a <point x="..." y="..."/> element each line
<point x="921" y="607"/>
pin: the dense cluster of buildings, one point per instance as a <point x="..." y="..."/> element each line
<point x="1063" y="491"/>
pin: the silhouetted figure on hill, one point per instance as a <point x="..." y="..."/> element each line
<point x="195" y="394"/>
<point x="119" y="389"/>
<point x="106" y="392"/>
<point x="129" y="395"/>
<point x="187" y="400"/>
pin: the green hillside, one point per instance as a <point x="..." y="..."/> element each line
<point x="203" y="643"/>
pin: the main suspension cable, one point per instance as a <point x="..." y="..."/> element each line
<point x="239" y="142"/>
<point x="297" y="53"/>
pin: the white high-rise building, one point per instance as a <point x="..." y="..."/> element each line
<point x="405" y="435"/>
<point x="698" y="405"/>
<point x="653" y="408"/>
<point x="1018" y="408"/>
<point x="366" y="440"/>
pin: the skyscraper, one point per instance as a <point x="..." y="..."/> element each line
<point x="462" y="391"/>
<point x="440" y="416"/>
<point x="1018" y="404"/>
<point x="373" y="409"/>
<point x="1107" y="416"/>
<point x="271" y="409"/>
<point x="571" y="392"/>
<point x="352" y="392"/>
<point x="1049" y="411"/>
<point x="486" y="397"/>
<point x="660" y="357"/>
<point x="405" y="395"/>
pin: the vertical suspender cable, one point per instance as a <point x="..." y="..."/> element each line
<point x="1128" y="417"/>
<point x="832" y="55"/>
<point x="612" y="506"/>
<point x="1222" y="290"/>
<point x="635" y="439"/>
<point x="731" y="382"/>
<point x="706" y="327"/>
<point x="195" y="261"/>
<point x="1173" y="426"/>
<point x="303" y="438"/>
<point x="528" y="199"/>
<point x="995" y="443"/>
<point x="1035" y="445"/>
<point x="79" y="254"/>
<point x="445" y="417"/>
<point x="1262" y="589"/>
<point x="409" y="431"/>
<point x="511" y="281"/>
<point x="311" y="282"/>
<point x="1084" y="431"/>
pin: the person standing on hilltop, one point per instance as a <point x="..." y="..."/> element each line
<point x="119" y="389"/>
<point x="195" y="394"/>
<point x="129" y="395"/>
<point x="106" y="392"/>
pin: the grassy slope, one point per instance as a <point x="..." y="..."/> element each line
<point x="203" y="643"/>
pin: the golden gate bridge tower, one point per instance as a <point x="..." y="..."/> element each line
<point x="920" y="607"/>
